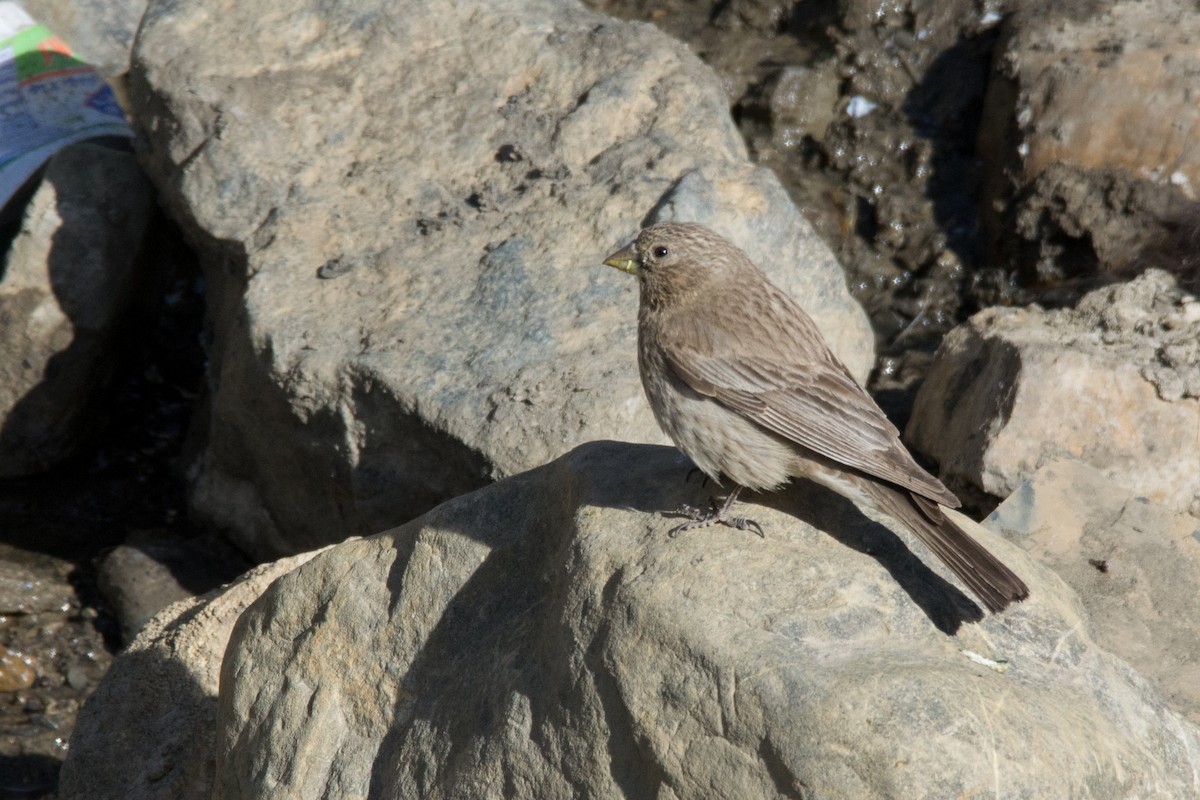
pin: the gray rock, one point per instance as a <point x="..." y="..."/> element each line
<point x="402" y="208"/>
<point x="147" y="732"/>
<point x="1129" y="560"/>
<point x="153" y="569"/>
<point x="543" y="637"/>
<point x="1110" y="382"/>
<point x="67" y="280"/>
<point x="136" y="586"/>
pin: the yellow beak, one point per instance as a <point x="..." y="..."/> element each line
<point x="624" y="259"/>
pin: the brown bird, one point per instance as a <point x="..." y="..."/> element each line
<point x="740" y="378"/>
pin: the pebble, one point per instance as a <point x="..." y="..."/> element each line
<point x="77" y="677"/>
<point x="17" y="670"/>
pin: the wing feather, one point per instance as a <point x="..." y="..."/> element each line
<point x="812" y="401"/>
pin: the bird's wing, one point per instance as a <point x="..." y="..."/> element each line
<point x="814" y="402"/>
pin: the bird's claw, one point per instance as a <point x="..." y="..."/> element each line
<point x="715" y="515"/>
<point x="696" y="518"/>
<point x="746" y="524"/>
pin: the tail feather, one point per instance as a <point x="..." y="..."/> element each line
<point x="995" y="584"/>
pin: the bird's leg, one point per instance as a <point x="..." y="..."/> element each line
<point x="716" y="516"/>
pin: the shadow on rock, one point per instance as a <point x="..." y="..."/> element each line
<point x="827" y="511"/>
<point x="152" y="711"/>
<point x="69" y="278"/>
<point x="942" y="602"/>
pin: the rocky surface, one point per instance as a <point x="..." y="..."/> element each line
<point x="544" y="637"/>
<point x="1126" y="558"/>
<point x="1088" y="134"/>
<point x="65" y="284"/>
<point x="1112" y="382"/>
<point x="475" y="332"/>
<point x="159" y="701"/>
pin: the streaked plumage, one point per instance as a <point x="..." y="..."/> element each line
<point x="740" y="378"/>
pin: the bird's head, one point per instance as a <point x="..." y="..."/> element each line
<point x="673" y="260"/>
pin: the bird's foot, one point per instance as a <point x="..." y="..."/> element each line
<point x="714" y="515"/>
<point x="704" y="519"/>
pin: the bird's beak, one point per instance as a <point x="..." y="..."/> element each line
<point x="624" y="259"/>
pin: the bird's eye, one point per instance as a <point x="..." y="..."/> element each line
<point x="661" y="252"/>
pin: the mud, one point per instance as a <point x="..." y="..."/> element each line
<point x="870" y="120"/>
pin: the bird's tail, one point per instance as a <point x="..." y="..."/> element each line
<point x="995" y="584"/>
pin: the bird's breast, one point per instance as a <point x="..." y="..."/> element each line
<point x="719" y="441"/>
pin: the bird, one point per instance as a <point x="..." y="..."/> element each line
<point x="740" y="378"/>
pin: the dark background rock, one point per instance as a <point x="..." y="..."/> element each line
<point x="1113" y="382"/>
<point x="1087" y="142"/>
<point x="124" y="477"/>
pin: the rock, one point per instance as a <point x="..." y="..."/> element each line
<point x="1088" y="135"/>
<point x="136" y="586"/>
<point x="17" y="670"/>
<point x="152" y="570"/>
<point x="457" y="204"/>
<point x="803" y="101"/>
<point x="148" y="730"/>
<point x="544" y="637"/>
<point x="66" y="282"/>
<point x="1127" y="559"/>
<point x="1112" y="383"/>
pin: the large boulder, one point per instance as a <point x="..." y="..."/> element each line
<point x="544" y="637"/>
<point x="402" y="208"/>
<point x="99" y="32"/>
